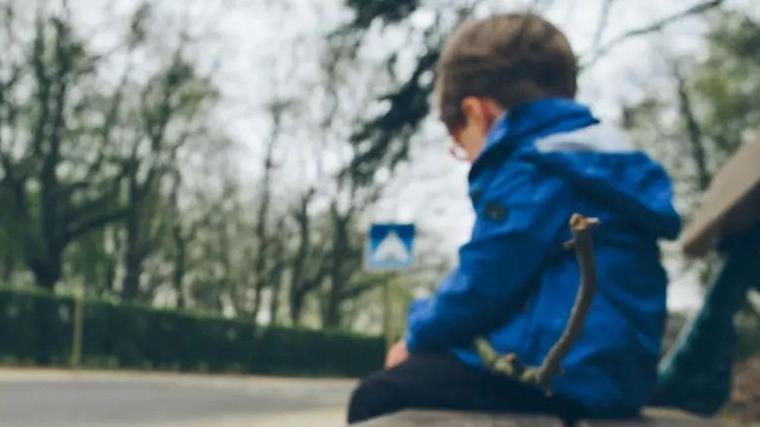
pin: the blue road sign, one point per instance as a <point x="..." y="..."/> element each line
<point x="390" y="247"/>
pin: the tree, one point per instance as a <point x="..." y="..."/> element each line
<point x="263" y="235"/>
<point x="169" y="109"/>
<point x="310" y="263"/>
<point x="714" y="112"/>
<point x="65" y="130"/>
<point x="276" y="272"/>
<point x="55" y="167"/>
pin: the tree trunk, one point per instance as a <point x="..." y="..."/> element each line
<point x="304" y="281"/>
<point x="179" y="240"/>
<point x="262" y="236"/>
<point x="275" y="276"/>
<point x="48" y="273"/>
<point x="340" y="255"/>
<point x="296" y="307"/>
<point x="132" y="258"/>
<point x="693" y="130"/>
<point x="296" y="295"/>
<point x="46" y="262"/>
<point x="178" y="275"/>
<point x="274" y="303"/>
<point x="332" y="316"/>
<point x="113" y="262"/>
<point x="277" y="269"/>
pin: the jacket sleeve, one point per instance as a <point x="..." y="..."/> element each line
<point x="512" y="236"/>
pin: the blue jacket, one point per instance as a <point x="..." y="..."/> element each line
<point x="515" y="284"/>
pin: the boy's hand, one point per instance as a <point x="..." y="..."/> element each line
<point x="396" y="355"/>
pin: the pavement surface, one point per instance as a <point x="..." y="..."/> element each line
<point x="32" y="398"/>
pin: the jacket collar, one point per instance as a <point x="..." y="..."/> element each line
<point x="526" y="122"/>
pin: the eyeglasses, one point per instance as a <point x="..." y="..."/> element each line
<point x="458" y="152"/>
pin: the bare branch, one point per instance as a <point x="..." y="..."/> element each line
<point x="81" y="227"/>
<point x="509" y="364"/>
<point x="648" y="29"/>
<point x="604" y="20"/>
<point x="43" y="87"/>
<point x="17" y="186"/>
<point x="103" y="201"/>
<point x="693" y="129"/>
<point x="538" y="6"/>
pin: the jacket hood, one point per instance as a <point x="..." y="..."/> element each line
<point x="601" y="160"/>
<point x="563" y="137"/>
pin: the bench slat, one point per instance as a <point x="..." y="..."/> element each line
<point x="731" y="203"/>
<point x="418" y="418"/>
<point x="421" y="418"/>
<point x="657" y="418"/>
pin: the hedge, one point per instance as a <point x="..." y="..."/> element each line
<point x="36" y="327"/>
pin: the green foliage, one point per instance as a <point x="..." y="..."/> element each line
<point x="728" y="81"/>
<point x="381" y="141"/>
<point x="716" y="103"/>
<point x="388" y="11"/>
<point x="136" y="336"/>
<point x="384" y="140"/>
<point x="85" y="169"/>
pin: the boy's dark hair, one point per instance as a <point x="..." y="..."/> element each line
<point x="510" y="58"/>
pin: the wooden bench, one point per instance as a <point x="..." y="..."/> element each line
<point x="418" y="418"/>
<point x="695" y="374"/>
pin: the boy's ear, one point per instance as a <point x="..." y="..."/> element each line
<point x="474" y="112"/>
<point x="481" y="112"/>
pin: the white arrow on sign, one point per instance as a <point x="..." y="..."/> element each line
<point x="391" y="249"/>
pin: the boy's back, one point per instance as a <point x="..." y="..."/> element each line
<point x="516" y="281"/>
<point x="506" y="86"/>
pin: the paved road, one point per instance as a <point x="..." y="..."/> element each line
<point x="32" y="398"/>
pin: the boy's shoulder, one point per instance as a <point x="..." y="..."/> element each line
<point x="600" y="164"/>
<point x="599" y="150"/>
<point x="594" y="165"/>
<point x="596" y="138"/>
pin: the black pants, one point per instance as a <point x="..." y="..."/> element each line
<point x="441" y="381"/>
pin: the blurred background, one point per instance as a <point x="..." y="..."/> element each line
<point x="193" y="181"/>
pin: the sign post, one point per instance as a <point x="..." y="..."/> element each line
<point x="77" y="328"/>
<point x="390" y="247"/>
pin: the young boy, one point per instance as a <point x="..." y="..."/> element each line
<point x="506" y="86"/>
